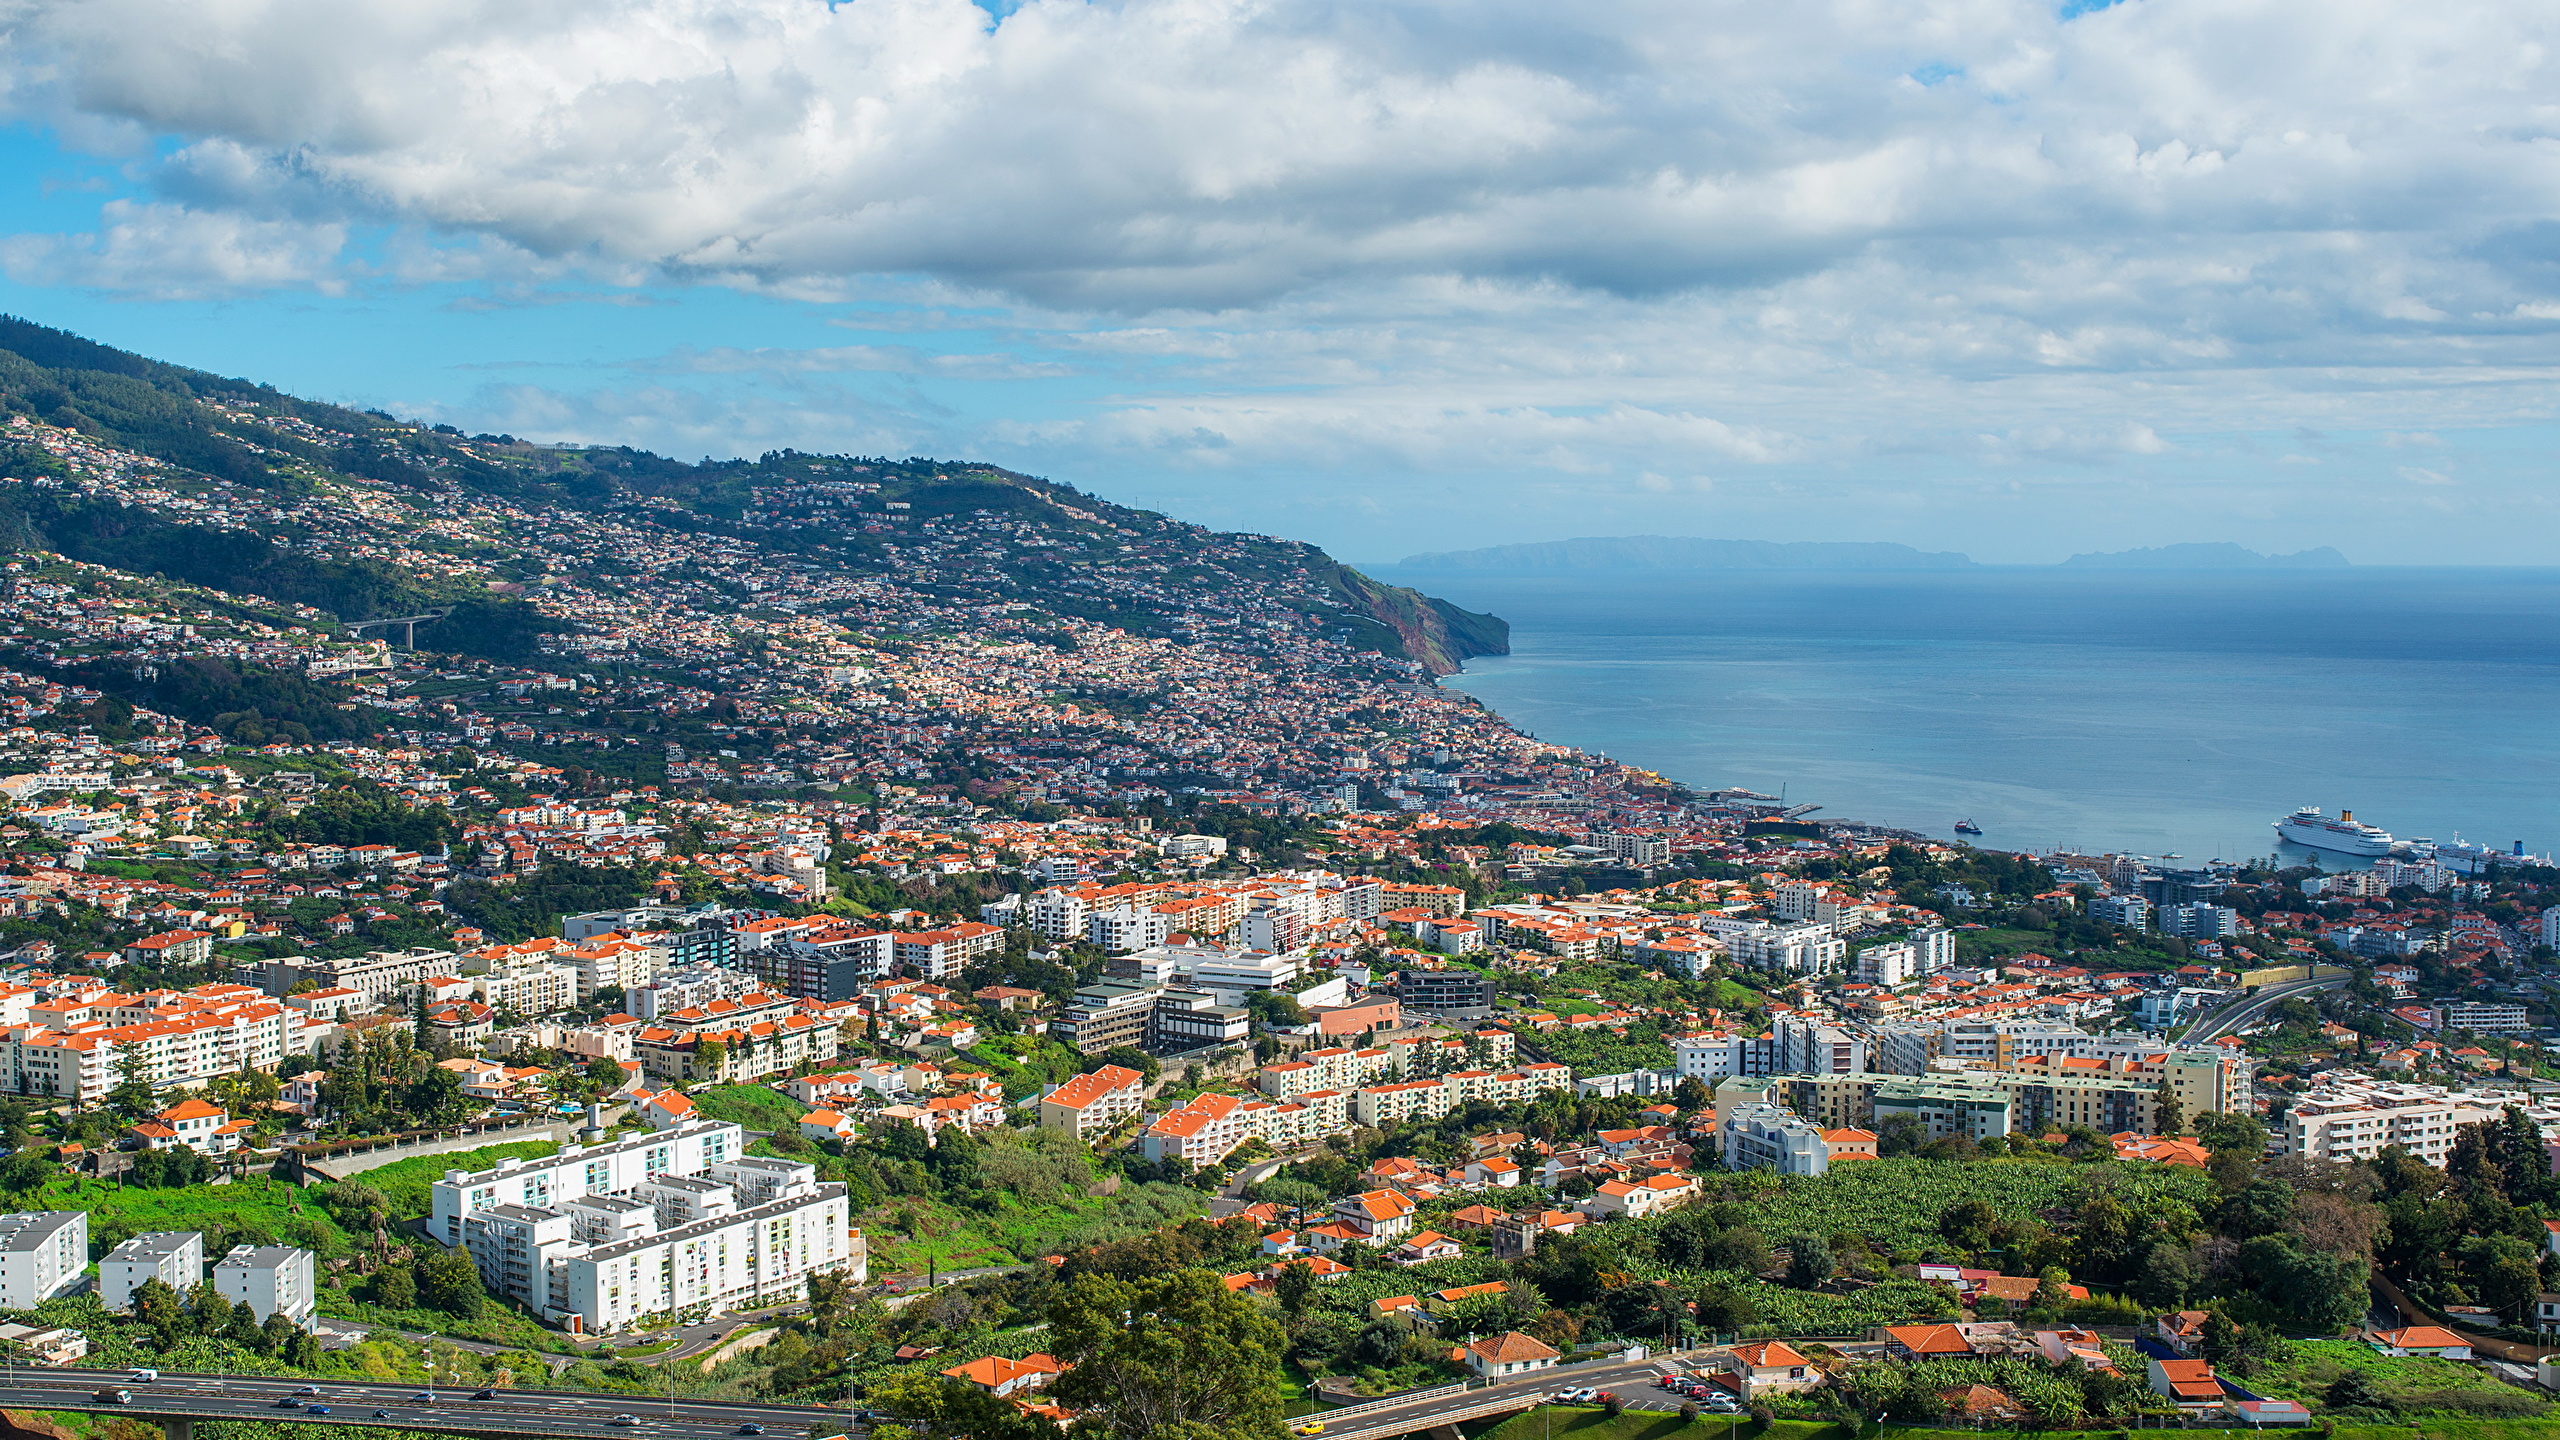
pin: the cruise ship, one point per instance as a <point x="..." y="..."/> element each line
<point x="2308" y="827"/>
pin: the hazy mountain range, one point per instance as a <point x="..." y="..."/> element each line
<point x="1685" y="552"/>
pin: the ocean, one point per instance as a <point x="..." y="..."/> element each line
<point x="2154" y="712"/>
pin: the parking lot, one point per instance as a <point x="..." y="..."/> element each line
<point x="1651" y="1396"/>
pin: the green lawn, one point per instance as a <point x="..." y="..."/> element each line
<point x="947" y="1237"/>
<point x="407" y="1183"/>
<point x="255" y="1210"/>
<point x="2417" y="1385"/>
<point x="758" y="1107"/>
<point x="1996" y="942"/>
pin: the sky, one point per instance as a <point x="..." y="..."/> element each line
<point x="1394" y="276"/>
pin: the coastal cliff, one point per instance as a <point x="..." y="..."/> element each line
<point x="1426" y="629"/>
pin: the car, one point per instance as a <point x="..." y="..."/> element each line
<point x="144" y="1376"/>
<point x="317" y="1410"/>
<point x="308" y="1390"/>
<point x="622" y="1420"/>
<point x="1575" y="1397"/>
<point x="1669" y="1382"/>
<point x="114" y="1397"/>
<point x="381" y="1414"/>
<point x="424" y="1397"/>
<point x="1604" y="1397"/>
<point x="289" y="1402"/>
<point x="484" y="1395"/>
<point x="1312" y="1427"/>
<point x="751" y="1428"/>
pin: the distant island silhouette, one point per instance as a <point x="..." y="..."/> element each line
<point x="1688" y="552"/>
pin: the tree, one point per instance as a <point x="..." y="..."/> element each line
<point x="2168" y="1273"/>
<point x="1692" y="1094"/>
<point x="605" y="1073"/>
<point x="25" y="1171"/>
<point x="2355" y="1390"/>
<point x="945" y="1406"/>
<point x="1967" y="1224"/>
<point x="1292" y="1285"/>
<point x="435" y="1097"/>
<point x="1809" y="1261"/>
<point x="242" y="1330"/>
<point x="2237" y="1142"/>
<point x="2170" y="1115"/>
<point x="160" y="1307"/>
<point x="395" y="1288"/>
<point x="212" y="1308"/>
<point x="1170" y="1356"/>
<point x="1127" y="1057"/>
<point x="132" y="1096"/>
<point x="448" y="1281"/>
<point x="710" y="1059"/>
<point x="1900" y="1135"/>
<point x="2053" y="1291"/>
<point x="1721" y="1308"/>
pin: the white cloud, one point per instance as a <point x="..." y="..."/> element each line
<point x="2418" y="476"/>
<point x="171" y="252"/>
<point x="1842" y="250"/>
<point x="1223" y="152"/>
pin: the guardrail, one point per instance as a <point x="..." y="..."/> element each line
<point x="1409" y="1397"/>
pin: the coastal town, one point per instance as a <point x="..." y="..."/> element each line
<point x="891" y="912"/>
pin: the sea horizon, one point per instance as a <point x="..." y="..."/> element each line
<point x="2147" y="711"/>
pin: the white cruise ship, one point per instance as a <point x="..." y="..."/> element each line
<point x="2344" y="835"/>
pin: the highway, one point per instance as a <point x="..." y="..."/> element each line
<point x="511" y="1413"/>
<point x="1449" y="1405"/>
<point x="2240" y="1012"/>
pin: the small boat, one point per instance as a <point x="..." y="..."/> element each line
<point x="1967" y="827"/>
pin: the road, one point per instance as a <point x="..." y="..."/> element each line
<point x="2240" y="1012"/>
<point x="512" y="1413"/>
<point x="1632" y="1380"/>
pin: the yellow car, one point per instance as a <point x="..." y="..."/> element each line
<point x="1312" y="1427"/>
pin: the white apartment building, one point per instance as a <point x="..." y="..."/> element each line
<point x="2351" y="1118"/>
<point x="1717" y="1057"/>
<point x="733" y="1232"/>
<point x="1806" y="1047"/>
<point x="625" y="965"/>
<point x="1759" y="1136"/>
<point x="524" y="985"/>
<point x="1057" y="914"/>
<point x="1804" y="901"/>
<point x="181" y="1045"/>
<point x="1808" y="949"/>
<point x="2484" y="1017"/>
<point x="1636" y="849"/>
<point x="689" y="988"/>
<point x="1233" y="975"/>
<point x="270" y="1280"/>
<point x="43" y="1253"/>
<point x="1131" y="927"/>
<point x="383" y="975"/>
<point x="175" y="1258"/>
<point x="611" y="1168"/>
<point x="1888" y="965"/>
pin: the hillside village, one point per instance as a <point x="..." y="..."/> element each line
<point x="872" y="869"/>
